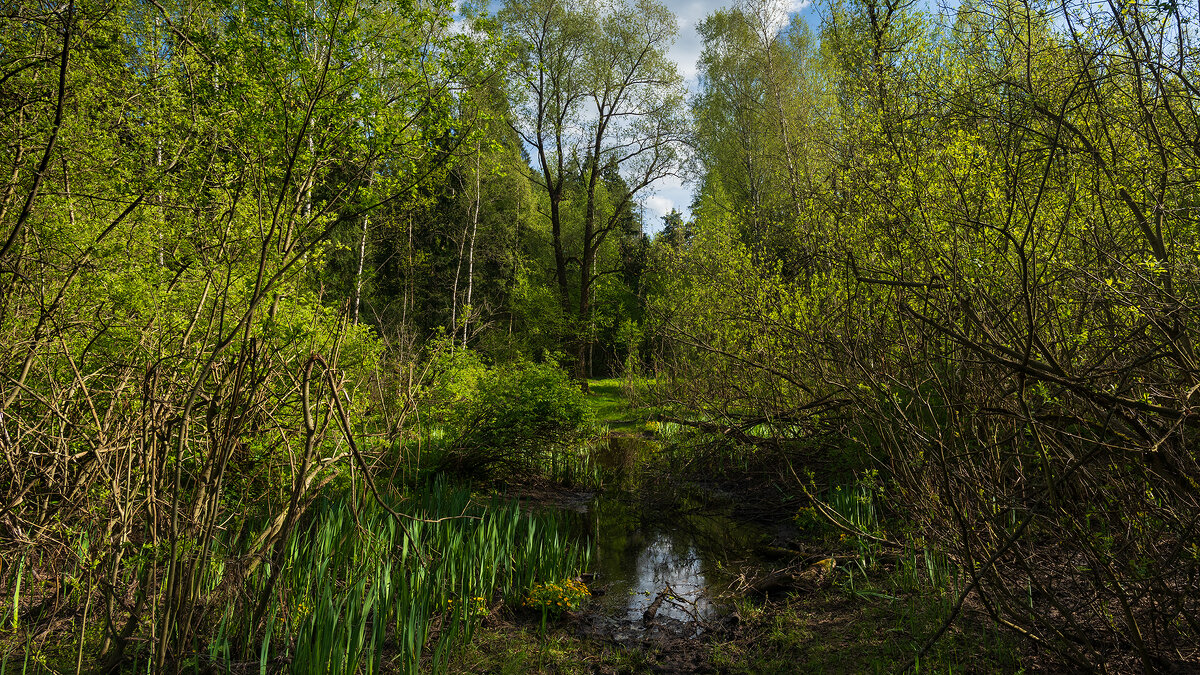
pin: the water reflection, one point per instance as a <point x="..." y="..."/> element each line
<point x="659" y="567"/>
<point x="640" y="552"/>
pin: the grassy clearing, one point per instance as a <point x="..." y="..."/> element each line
<point x="612" y="408"/>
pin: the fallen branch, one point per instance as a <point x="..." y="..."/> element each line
<point x="652" y="611"/>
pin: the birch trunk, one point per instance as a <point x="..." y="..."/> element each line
<point x="471" y="249"/>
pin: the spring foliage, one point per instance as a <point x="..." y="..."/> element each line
<point x="967" y="243"/>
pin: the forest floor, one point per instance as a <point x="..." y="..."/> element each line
<point x="805" y="602"/>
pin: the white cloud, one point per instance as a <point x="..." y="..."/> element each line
<point x="686" y="51"/>
<point x="656" y="206"/>
<point x="669" y="193"/>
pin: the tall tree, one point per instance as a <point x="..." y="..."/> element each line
<point x="594" y="89"/>
<point x="764" y="121"/>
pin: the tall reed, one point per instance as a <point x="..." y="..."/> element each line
<point x="360" y="592"/>
<point x="354" y="589"/>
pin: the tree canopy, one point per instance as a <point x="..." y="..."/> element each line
<point x="251" y="250"/>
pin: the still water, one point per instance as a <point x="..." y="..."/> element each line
<point x="685" y="553"/>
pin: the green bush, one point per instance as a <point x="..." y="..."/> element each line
<point x="455" y="377"/>
<point x="516" y="418"/>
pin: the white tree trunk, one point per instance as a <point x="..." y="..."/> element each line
<point x="358" y="276"/>
<point x="471" y="249"/>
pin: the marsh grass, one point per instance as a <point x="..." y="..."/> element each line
<point x="355" y="589"/>
<point x="426" y="584"/>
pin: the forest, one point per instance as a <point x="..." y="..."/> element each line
<point x="335" y="337"/>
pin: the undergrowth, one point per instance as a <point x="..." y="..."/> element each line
<point x="354" y="590"/>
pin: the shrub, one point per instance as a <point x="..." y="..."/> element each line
<point x="516" y="418"/>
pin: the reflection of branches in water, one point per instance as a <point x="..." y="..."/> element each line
<point x="665" y="565"/>
<point x="649" y="541"/>
<point x="681" y="578"/>
<point x="689" y="607"/>
<point x="708" y="536"/>
<point x="694" y="623"/>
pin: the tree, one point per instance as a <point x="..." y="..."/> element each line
<point x="764" y="127"/>
<point x="166" y="331"/>
<point x="675" y="231"/>
<point x="593" y="90"/>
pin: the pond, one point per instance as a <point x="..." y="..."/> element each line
<point x="662" y="565"/>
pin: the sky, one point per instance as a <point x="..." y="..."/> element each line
<point x="673" y="193"/>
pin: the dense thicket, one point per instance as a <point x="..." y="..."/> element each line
<point x="250" y="250"/>
<point x="969" y="242"/>
<point x="237" y="239"/>
<point x="174" y="173"/>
